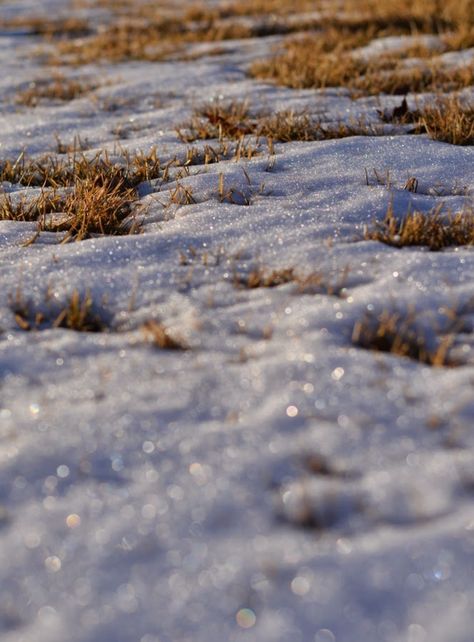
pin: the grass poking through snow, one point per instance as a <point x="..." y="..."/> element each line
<point x="235" y="121"/>
<point x="159" y="336"/>
<point x="87" y="196"/>
<point x="434" y="229"/>
<point x="58" y="88"/>
<point x="399" y="334"/>
<point x="78" y="314"/>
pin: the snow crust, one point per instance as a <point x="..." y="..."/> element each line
<point x="158" y="496"/>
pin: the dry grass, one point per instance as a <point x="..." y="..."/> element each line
<point x="259" y="278"/>
<point x="78" y="314"/>
<point x="87" y="196"/>
<point x="32" y="209"/>
<point x="152" y="36"/>
<point x="339" y="68"/>
<point x="57" y="171"/>
<point x="77" y="145"/>
<point x="289" y="125"/>
<point x="180" y="195"/>
<point x="120" y="42"/>
<point x="152" y="31"/>
<point x="427" y="14"/>
<point x="97" y="207"/>
<point x="50" y="28"/>
<point x="325" y="59"/>
<point x="92" y="207"/>
<point x="201" y="11"/>
<point x="160" y="337"/>
<point x="433" y="229"/>
<point x="312" y="283"/>
<point x="449" y="120"/>
<point x="58" y="89"/>
<point x="224" y="150"/>
<point x="234" y="121"/>
<point x="398" y="333"/>
<point x="218" y="120"/>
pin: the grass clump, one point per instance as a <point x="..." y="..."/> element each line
<point x="58" y="88"/>
<point x="55" y="171"/>
<point x="312" y="283"/>
<point x="147" y="33"/>
<point x="234" y="121"/>
<point x="160" y="337"/>
<point x="398" y="333"/>
<point x="448" y="120"/>
<point x="87" y="196"/>
<point x="259" y="278"/>
<point x="320" y="69"/>
<point x="432" y="229"/>
<point x="93" y="207"/>
<point x="51" y="29"/>
<point x="78" y="314"/>
<point x="219" y="120"/>
<point x="32" y="209"/>
<point x="152" y="31"/>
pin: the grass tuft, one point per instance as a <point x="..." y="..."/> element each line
<point x="259" y="278"/>
<point x="449" y="120"/>
<point x="234" y="121"/>
<point x="340" y="68"/>
<point x="49" y="28"/>
<point x="79" y="314"/>
<point x="160" y="337"/>
<point x="57" y="88"/>
<point x="432" y="229"/>
<point x="397" y="333"/>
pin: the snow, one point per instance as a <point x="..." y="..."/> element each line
<point x="159" y="496"/>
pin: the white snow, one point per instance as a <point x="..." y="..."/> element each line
<point x="158" y="496"/>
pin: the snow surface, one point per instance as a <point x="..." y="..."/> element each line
<point x="158" y="496"/>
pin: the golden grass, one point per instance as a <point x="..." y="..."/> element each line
<point x="93" y="207"/>
<point x="58" y="88"/>
<point x="153" y="31"/>
<point x="397" y="333"/>
<point x="97" y="207"/>
<point x="57" y="171"/>
<point x="151" y="36"/>
<point x="225" y="150"/>
<point x="180" y="195"/>
<point x="50" y="28"/>
<point x="234" y="121"/>
<point x="325" y="59"/>
<point x="160" y="337"/>
<point x="449" y="120"/>
<point x="78" y="314"/>
<point x="433" y="229"/>
<point x="259" y="278"/>
<point x="311" y="283"/>
<point x="87" y="196"/>
<point x="32" y="209"/>
<point x="201" y="11"/>
<point x="218" y="120"/>
<point x="431" y="14"/>
<point x="339" y="68"/>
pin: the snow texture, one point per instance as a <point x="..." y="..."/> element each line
<point x="274" y="482"/>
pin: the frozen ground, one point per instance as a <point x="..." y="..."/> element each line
<point x="159" y="496"/>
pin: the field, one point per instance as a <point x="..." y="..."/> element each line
<point x="237" y="321"/>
